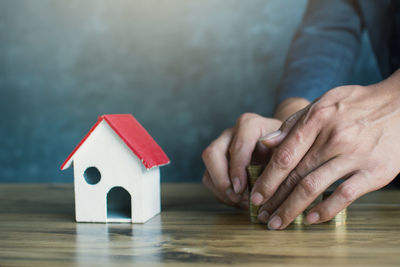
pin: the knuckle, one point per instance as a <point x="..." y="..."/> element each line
<point x="245" y="117"/>
<point x="347" y="192"/>
<point x="309" y="186"/>
<point x="292" y="179"/>
<point x="265" y="189"/>
<point x="314" y="156"/>
<point x="283" y="158"/>
<point x="380" y="171"/>
<point x="298" y="135"/>
<point x="339" y="137"/>
<point x="207" y="153"/>
<point x="318" y="112"/>
<point x="333" y="93"/>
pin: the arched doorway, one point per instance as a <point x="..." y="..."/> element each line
<point x="118" y="205"/>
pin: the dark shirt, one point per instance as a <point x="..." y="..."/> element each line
<point x="395" y="38"/>
<point x="326" y="46"/>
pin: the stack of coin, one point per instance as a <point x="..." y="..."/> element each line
<point x="299" y="219"/>
<point x="341" y="217"/>
<point x="253" y="172"/>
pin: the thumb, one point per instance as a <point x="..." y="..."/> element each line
<point x="275" y="138"/>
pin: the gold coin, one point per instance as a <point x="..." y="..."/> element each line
<point x="299" y="219"/>
<point x="253" y="171"/>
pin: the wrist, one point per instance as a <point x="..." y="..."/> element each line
<point x="386" y="92"/>
<point x="290" y="106"/>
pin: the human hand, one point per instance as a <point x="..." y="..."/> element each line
<point x="352" y="133"/>
<point x="227" y="157"/>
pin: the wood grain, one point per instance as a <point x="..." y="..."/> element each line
<point x="37" y="228"/>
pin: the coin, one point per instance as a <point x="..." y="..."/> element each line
<point x="253" y="172"/>
<point x="299" y="219"/>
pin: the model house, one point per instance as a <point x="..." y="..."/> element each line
<point x="116" y="172"/>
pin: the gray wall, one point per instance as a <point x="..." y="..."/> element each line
<point x="186" y="69"/>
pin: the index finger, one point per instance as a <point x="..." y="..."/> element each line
<point x="289" y="153"/>
<point x="216" y="161"/>
<point x="249" y="129"/>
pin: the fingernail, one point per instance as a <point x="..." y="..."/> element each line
<point x="232" y="196"/>
<point x="257" y="198"/>
<point x="271" y="135"/>
<point x="236" y="185"/>
<point x="263" y="216"/>
<point x="312" y="217"/>
<point x="275" y="223"/>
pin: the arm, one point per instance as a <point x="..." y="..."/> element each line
<point x="324" y="50"/>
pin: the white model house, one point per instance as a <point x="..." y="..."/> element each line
<point x="116" y="172"/>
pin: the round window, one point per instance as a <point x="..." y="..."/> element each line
<point x="92" y="175"/>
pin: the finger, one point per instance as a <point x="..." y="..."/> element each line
<point x="216" y="161"/>
<point x="221" y="197"/>
<point x="307" y="190"/>
<point x="249" y="129"/>
<point x="275" y="138"/>
<point x="354" y="187"/>
<point x="243" y="204"/>
<point x="311" y="161"/>
<point x="286" y="157"/>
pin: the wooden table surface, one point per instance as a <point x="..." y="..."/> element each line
<point x="37" y="228"/>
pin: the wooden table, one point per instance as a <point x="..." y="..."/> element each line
<point x="37" y="228"/>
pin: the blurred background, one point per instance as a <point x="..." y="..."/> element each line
<point x="186" y="69"/>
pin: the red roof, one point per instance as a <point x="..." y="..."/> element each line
<point x="135" y="137"/>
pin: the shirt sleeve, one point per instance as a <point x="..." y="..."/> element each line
<point x="324" y="50"/>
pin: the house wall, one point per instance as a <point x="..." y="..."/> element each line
<point x="151" y="193"/>
<point x="118" y="167"/>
